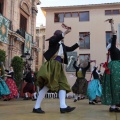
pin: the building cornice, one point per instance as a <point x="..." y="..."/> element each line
<point x="12" y="33"/>
<point x="81" y="6"/>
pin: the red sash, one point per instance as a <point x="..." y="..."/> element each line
<point x="105" y="65"/>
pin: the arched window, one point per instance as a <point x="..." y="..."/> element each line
<point x="24" y="16"/>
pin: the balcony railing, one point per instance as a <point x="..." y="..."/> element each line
<point x="21" y="32"/>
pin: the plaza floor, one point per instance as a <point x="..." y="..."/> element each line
<point x="22" y="110"/>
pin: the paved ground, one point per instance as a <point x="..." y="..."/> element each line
<point x="22" y="110"/>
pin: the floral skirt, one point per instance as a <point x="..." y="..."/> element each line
<point x="51" y="74"/>
<point x="12" y="87"/>
<point x="111" y="84"/>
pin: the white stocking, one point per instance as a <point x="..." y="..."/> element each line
<point x="26" y="95"/>
<point x="76" y="97"/>
<point x="35" y="95"/>
<point x="62" y="95"/>
<point x="41" y="95"/>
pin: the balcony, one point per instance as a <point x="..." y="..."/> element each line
<point x="21" y="32"/>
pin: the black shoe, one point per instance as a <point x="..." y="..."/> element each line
<point x="26" y="98"/>
<point x="75" y="100"/>
<point x="118" y="105"/>
<point x="95" y="101"/>
<point x="68" y="109"/>
<point x="82" y="98"/>
<point x="5" y="100"/>
<point x="91" y="103"/>
<point x="39" y="110"/>
<point x="34" y="99"/>
<point x="78" y="98"/>
<point x="114" y="109"/>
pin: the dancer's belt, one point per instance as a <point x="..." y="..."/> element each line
<point x="58" y="58"/>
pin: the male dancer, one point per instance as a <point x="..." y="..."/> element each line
<point x="51" y="75"/>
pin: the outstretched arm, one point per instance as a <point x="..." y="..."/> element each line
<point x="113" y="43"/>
<point x="74" y="65"/>
<point x="114" y="37"/>
<point x="111" y="21"/>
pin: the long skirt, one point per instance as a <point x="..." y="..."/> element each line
<point x="51" y="74"/>
<point x="29" y="87"/>
<point x="4" y="90"/>
<point x="12" y="87"/>
<point x="94" y="89"/>
<point x="22" y="94"/>
<point x="80" y="86"/>
<point x="111" y="84"/>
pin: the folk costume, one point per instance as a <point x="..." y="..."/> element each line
<point x="4" y="90"/>
<point x="94" y="89"/>
<point x="111" y="79"/>
<point x="30" y="86"/>
<point x="51" y="75"/>
<point x="11" y="85"/>
<point x="80" y="86"/>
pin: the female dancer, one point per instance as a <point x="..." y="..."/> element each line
<point x="111" y="77"/>
<point x="11" y="85"/>
<point x="4" y="90"/>
<point x="94" y="90"/>
<point x="80" y="86"/>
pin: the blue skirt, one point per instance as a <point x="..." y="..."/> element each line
<point x="94" y="89"/>
<point x="4" y="90"/>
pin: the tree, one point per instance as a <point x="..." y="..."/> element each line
<point x="2" y="59"/>
<point x="17" y="64"/>
<point x="2" y="55"/>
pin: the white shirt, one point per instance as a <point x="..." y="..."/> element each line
<point x="60" y="51"/>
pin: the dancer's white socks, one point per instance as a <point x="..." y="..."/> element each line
<point x="113" y="106"/>
<point x="76" y="97"/>
<point x="41" y="95"/>
<point x="62" y="95"/>
<point x="35" y="95"/>
<point x="26" y="95"/>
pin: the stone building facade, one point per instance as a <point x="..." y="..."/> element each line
<point x="21" y="31"/>
<point x="40" y="40"/>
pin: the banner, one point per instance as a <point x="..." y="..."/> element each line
<point x="4" y="26"/>
<point x="28" y="43"/>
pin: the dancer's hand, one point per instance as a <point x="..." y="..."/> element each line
<point x="81" y="38"/>
<point x="110" y="21"/>
<point x="67" y="31"/>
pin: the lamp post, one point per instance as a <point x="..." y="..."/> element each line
<point x="27" y="58"/>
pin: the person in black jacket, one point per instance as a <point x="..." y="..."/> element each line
<point x="80" y="86"/>
<point x="30" y="87"/>
<point x="51" y="75"/>
<point x="111" y="79"/>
